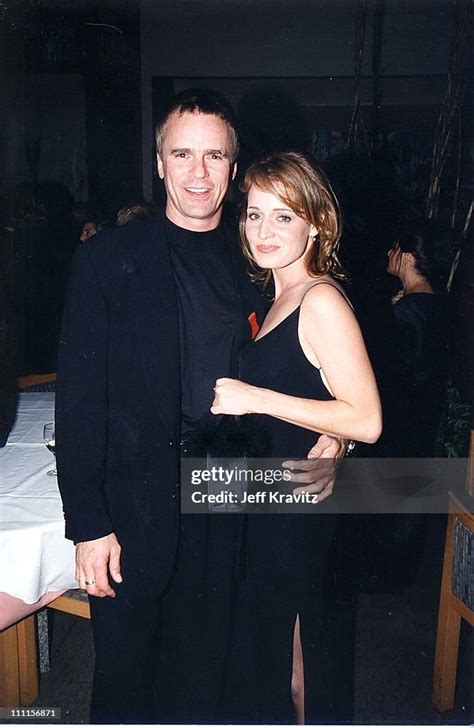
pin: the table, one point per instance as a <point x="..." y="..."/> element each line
<point x="36" y="561"/>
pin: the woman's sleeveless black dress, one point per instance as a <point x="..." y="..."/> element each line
<point x="284" y="557"/>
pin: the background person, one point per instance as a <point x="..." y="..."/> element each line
<point x="413" y="385"/>
<point x="418" y="370"/>
<point x="133" y="211"/>
<point x="91" y="227"/>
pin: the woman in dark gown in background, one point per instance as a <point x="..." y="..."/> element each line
<point x="413" y="387"/>
<point x="307" y="371"/>
<point x="418" y="370"/>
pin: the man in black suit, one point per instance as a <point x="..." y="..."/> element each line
<point x="156" y="312"/>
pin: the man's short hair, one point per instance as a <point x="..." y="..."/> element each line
<point x="200" y="101"/>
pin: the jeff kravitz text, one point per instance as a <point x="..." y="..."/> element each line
<point x="225" y="497"/>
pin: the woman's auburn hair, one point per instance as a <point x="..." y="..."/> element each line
<point x="302" y="185"/>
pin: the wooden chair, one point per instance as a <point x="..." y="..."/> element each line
<point x="18" y="664"/>
<point x="19" y="656"/>
<point x="37" y="383"/>
<point x="74" y="601"/>
<point x="457" y="593"/>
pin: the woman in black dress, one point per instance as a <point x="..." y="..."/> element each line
<point x="306" y="371"/>
<point x="413" y="385"/>
<point x="417" y="371"/>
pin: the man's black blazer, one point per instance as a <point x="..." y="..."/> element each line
<point x="118" y="399"/>
<point x="118" y="406"/>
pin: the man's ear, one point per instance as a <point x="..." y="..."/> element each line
<point x="159" y="166"/>
<point x="234" y="170"/>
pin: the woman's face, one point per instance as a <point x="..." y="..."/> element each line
<point x="276" y="235"/>
<point x="394" y="263"/>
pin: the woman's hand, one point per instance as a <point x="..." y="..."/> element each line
<point x="398" y="296"/>
<point x="233" y="397"/>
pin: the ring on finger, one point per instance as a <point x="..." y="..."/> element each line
<point x="90" y="583"/>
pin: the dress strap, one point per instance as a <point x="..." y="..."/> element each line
<point x="327" y="283"/>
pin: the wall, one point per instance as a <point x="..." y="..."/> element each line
<point x="73" y="68"/>
<point x="314" y="39"/>
<point x="49" y="109"/>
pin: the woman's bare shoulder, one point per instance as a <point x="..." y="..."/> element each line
<point x="324" y="292"/>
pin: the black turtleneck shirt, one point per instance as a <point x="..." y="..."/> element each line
<point x="215" y="299"/>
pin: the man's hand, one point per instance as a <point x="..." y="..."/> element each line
<point x="94" y="559"/>
<point x="318" y="472"/>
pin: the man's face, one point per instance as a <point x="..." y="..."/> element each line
<point x="89" y="229"/>
<point x="196" y="168"/>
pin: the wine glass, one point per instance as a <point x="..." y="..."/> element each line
<point x="50" y="442"/>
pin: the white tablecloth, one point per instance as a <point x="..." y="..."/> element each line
<point x="35" y="558"/>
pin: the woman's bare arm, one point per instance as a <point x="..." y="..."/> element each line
<point x="331" y="337"/>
